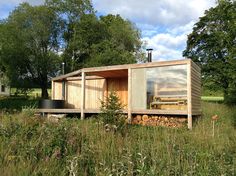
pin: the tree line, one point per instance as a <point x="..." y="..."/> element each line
<point x="212" y="44"/>
<point x="35" y="40"/>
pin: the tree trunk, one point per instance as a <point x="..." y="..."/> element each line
<point x="44" y="85"/>
<point x="44" y="92"/>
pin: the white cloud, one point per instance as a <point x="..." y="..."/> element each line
<point x="16" y="2"/>
<point x="167" y="46"/>
<point x="184" y="29"/>
<point x="164" y="23"/>
<point x="156" y="12"/>
<point x="6" y="6"/>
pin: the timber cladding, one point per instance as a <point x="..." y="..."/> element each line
<point x="57" y="90"/>
<point x="195" y="89"/>
<point x="94" y="92"/>
<point x="168" y="87"/>
<point x="120" y="86"/>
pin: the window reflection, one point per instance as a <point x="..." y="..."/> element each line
<point x="167" y="87"/>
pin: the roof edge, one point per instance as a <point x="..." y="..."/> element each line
<point x="121" y="67"/>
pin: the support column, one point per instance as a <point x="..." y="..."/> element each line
<point x="82" y="95"/>
<point x="52" y="90"/>
<point x="189" y="94"/>
<point x="63" y="90"/>
<point x="129" y="95"/>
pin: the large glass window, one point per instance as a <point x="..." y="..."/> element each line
<point x="167" y="87"/>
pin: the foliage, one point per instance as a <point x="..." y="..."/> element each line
<point x="71" y="12"/>
<point x="35" y="39"/>
<point x="29" y="39"/>
<point x="121" y="43"/>
<point x="37" y="146"/>
<point x="111" y="112"/>
<point x="11" y="104"/>
<point x="95" y="41"/>
<point x="108" y="40"/>
<point x="212" y="44"/>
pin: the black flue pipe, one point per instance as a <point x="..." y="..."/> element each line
<point x="63" y="82"/>
<point x="149" y="50"/>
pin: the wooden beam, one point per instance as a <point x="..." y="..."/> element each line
<point x="66" y="75"/>
<point x="189" y="98"/>
<point x="79" y="78"/>
<point x="129" y="95"/>
<point x="63" y="90"/>
<point x="143" y="65"/>
<point x="82" y="95"/>
<point x="52" y="90"/>
<point x="141" y="111"/>
<point x="160" y="112"/>
<point x="123" y="67"/>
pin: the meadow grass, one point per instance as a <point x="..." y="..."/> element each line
<point x="212" y="98"/>
<point x="37" y="146"/>
<point x="33" y="93"/>
<point x="13" y="104"/>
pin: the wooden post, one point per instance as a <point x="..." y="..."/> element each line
<point x="189" y="94"/>
<point x="82" y="95"/>
<point x="63" y="90"/>
<point x="129" y="95"/>
<point x="52" y="90"/>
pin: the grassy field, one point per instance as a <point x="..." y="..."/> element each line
<point x="14" y="104"/>
<point x="33" y="93"/>
<point x="212" y="98"/>
<point x="37" y="146"/>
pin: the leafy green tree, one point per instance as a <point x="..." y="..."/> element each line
<point x="212" y="44"/>
<point x="108" y="40"/>
<point x="121" y="44"/>
<point x="29" y="40"/>
<point x="92" y="41"/>
<point x="71" y="11"/>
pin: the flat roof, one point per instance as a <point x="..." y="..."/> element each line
<point x="120" y="70"/>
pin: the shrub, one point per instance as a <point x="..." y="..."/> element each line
<point x="111" y="113"/>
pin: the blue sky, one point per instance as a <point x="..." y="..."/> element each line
<point x="164" y="24"/>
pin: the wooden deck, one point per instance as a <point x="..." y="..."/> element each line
<point x="96" y="111"/>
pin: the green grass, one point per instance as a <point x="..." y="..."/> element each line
<point x="212" y="98"/>
<point x="36" y="146"/>
<point x="34" y="93"/>
<point x="11" y="104"/>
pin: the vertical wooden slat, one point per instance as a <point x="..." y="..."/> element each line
<point x="129" y="95"/>
<point x="63" y="90"/>
<point x="82" y="96"/>
<point x="189" y="93"/>
<point x="52" y="91"/>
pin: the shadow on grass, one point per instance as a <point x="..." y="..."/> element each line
<point x="17" y="103"/>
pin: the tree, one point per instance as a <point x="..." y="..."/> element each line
<point x="108" y="40"/>
<point x="111" y="113"/>
<point x="71" y="11"/>
<point x="92" y="41"/>
<point x="30" y="38"/>
<point x="121" y="44"/>
<point x="212" y="44"/>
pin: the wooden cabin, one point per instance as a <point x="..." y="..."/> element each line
<point x="166" y="88"/>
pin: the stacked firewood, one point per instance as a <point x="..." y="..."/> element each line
<point x="169" y="121"/>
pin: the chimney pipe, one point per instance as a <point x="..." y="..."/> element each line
<point x="149" y="50"/>
<point x="63" y="82"/>
<point x="63" y="68"/>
